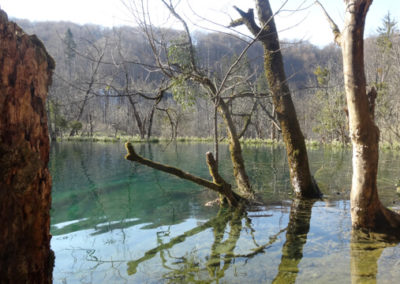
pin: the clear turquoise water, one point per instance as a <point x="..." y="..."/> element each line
<point x="118" y="222"/>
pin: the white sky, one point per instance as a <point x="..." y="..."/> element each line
<point x="308" y="24"/>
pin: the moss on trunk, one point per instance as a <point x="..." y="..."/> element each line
<point x="302" y="182"/>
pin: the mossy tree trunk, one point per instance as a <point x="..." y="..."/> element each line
<point x="25" y="183"/>
<point x="367" y="212"/>
<point x="300" y="175"/>
<point x="235" y="149"/>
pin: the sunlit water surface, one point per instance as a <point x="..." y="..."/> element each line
<point x="118" y="222"/>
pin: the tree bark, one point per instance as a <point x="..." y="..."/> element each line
<point x="367" y="212"/>
<point x="25" y="182"/>
<point x="300" y="175"/>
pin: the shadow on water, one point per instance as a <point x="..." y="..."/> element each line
<point x="187" y="265"/>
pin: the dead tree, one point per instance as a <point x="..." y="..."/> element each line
<point x="25" y="183"/>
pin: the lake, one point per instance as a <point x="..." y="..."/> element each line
<point x="114" y="221"/>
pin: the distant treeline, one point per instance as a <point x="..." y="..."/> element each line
<point x="106" y="81"/>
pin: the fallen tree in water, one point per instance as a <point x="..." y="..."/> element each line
<point x="218" y="184"/>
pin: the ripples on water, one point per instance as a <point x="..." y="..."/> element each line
<point x="118" y="222"/>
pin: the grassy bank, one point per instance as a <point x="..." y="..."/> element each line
<point x="245" y="141"/>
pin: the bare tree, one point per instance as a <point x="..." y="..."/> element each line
<point x="176" y="59"/>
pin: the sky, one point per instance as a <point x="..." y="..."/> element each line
<point x="307" y="24"/>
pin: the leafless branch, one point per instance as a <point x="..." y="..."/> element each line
<point x="335" y="29"/>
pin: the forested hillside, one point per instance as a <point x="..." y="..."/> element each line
<point x="107" y="82"/>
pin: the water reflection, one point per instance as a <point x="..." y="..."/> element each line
<point x="365" y="251"/>
<point x="296" y="238"/>
<point x="118" y="222"/>
<point x="226" y="227"/>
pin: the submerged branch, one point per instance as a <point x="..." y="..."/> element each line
<point x="219" y="185"/>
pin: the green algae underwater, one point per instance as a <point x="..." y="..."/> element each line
<point x="114" y="221"/>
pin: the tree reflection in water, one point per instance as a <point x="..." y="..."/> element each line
<point x="296" y="238"/>
<point x="188" y="267"/>
<point x="365" y="251"/>
<point x="115" y="214"/>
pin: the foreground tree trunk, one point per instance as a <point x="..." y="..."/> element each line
<point x="25" y="183"/>
<point x="300" y="175"/>
<point x="367" y="212"/>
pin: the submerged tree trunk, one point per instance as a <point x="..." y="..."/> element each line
<point x="25" y="183"/>
<point x="300" y="175"/>
<point x="367" y="212"/>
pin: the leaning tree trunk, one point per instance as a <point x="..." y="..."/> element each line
<point x="239" y="171"/>
<point x="25" y="183"/>
<point x="367" y="212"/>
<point x="300" y="175"/>
<point x="140" y="125"/>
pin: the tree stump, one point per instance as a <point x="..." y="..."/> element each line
<point x="25" y="182"/>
